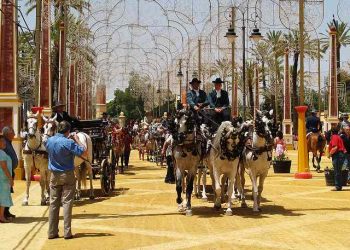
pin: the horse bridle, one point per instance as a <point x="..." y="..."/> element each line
<point x="229" y="154"/>
<point x="53" y="128"/>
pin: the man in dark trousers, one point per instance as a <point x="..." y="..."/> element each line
<point x="219" y="105"/>
<point x="9" y="135"/>
<point x="63" y="115"/>
<point x="61" y="152"/>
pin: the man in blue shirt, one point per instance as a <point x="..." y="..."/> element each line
<point x="9" y="135"/>
<point x="62" y="151"/>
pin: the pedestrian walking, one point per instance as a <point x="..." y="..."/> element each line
<point x="167" y="151"/>
<point x="9" y="135"/>
<point x="337" y="152"/>
<point x="6" y="181"/>
<point x="345" y="136"/>
<point x="127" y="147"/>
<point x="61" y="151"/>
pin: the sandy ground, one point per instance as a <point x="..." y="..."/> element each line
<point x="142" y="214"/>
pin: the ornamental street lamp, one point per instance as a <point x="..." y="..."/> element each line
<point x="231" y="37"/>
<point x="179" y="77"/>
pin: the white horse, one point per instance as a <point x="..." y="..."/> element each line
<point x="83" y="166"/>
<point x="257" y="157"/>
<point x="35" y="157"/>
<point x="223" y="160"/>
<point x="186" y="153"/>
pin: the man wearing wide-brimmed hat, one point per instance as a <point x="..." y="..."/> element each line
<point x="196" y="98"/>
<point x="62" y="115"/>
<point x="219" y="103"/>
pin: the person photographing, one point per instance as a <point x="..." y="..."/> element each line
<point x="62" y="148"/>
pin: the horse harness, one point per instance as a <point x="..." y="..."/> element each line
<point x="35" y="152"/>
<point x="260" y="150"/>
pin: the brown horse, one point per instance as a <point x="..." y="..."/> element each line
<point x="316" y="143"/>
<point x="118" y="147"/>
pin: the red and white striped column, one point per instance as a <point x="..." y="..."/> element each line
<point x="287" y="112"/>
<point x="333" y="88"/>
<point x="45" y="89"/>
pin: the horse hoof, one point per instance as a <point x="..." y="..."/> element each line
<point x="179" y="201"/>
<point x="25" y="203"/>
<point x="204" y="199"/>
<point x="244" y="205"/>
<point x="180" y="208"/>
<point x="229" y="212"/>
<point x="189" y="212"/>
<point x="43" y="203"/>
<point x="92" y="197"/>
<point x="217" y="207"/>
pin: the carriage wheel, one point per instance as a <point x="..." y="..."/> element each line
<point x="105" y="177"/>
<point x="112" y="172"/>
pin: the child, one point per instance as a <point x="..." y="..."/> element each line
<point x="279" y="143"/>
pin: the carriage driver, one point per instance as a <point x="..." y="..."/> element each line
<point x="219" y="103"/>
<point x="62" y="115"/>
<point x="196" y="98"/>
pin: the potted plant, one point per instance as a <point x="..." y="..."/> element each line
<point x="329" y="176"/>
<point x="281" y="163"/>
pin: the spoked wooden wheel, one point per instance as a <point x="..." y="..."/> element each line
<point x="112" y="170"/>
<point x="105" y="177"/>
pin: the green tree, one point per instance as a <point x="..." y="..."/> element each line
<point x="130" y="101"/>
<point x="311" y="50"/>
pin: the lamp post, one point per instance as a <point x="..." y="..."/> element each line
<point x="179" y="77"/>
<point x="231" y="37"/>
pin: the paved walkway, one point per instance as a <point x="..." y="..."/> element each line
<point x="297" y="214"/>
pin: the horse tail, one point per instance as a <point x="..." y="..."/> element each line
<point x="83" y="173"/>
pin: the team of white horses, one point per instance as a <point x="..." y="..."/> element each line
<point x="35" y="157"/>
<point x="237" y="147"/>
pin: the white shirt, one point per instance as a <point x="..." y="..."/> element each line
<point x="197" y="92"/>
<point x="218" y="93"/>
<point x="169" y="140"/>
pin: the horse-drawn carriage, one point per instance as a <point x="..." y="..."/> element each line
<point x="103" y="162"/>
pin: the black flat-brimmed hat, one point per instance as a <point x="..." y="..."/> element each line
<point x="58" y="104"/>
<point x="195" y="80"/>
<point x="218" y="80"/>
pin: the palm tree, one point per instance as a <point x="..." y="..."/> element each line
<point x="60" y="13"/>
<point x="311" y="50"/>
<point x="277" y="44"/>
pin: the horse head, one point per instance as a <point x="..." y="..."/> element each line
<point x="32" y="122"/>
<point x="264" y="125"/>
<point x="227" y="140"/>
<point x="50" y="125"/>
